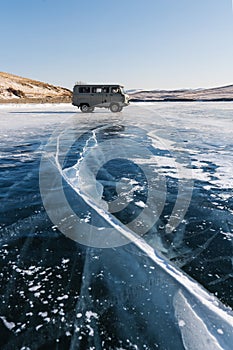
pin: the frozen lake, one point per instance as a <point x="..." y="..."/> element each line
<point x="116" y="229"/>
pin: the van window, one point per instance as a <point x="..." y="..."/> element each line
<point x="115" y="90"/>
<point x="97" y="90"/>
<point x="84" y="90"/>
<point x="105" y="90"/>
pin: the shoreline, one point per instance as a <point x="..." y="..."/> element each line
<point x="183" y="100"/>
<point x="36" y="100"/>
<point x="65" y="101"/>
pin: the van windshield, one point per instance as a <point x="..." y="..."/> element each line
<point x="122" y="90"/>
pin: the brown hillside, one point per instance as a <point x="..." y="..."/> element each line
<point x="16" y="89"/>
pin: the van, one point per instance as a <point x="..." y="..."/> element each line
<point x="87" y="97"/>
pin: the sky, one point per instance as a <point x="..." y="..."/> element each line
<point x="148" y="44"/>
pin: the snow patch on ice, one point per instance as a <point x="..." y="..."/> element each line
<point x="9" y="325"/>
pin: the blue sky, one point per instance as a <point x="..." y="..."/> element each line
<point x="161" y="44"/>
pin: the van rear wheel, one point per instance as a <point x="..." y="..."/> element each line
<point x="85" y="108"/>
<point x="114" y="107"/>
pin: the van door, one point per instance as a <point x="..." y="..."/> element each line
<point x="82" y="94"/>
<point x="115" y="94"/>
<point x="96" y="96"/>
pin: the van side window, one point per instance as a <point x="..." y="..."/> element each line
<point x="105" y="90"/>
<point x="96" y="90"/>
<point x="84" y="90"/>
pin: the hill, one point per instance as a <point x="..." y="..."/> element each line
<point x="16" y="89"/>
<point x="224" y="93"/>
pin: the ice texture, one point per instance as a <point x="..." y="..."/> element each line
<point x="58" y="293"/>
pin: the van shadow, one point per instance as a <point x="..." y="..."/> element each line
<point x="44" y="112"/>
<point x="60" y="112"/>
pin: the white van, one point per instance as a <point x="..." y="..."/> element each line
<point x="87" y="97"/>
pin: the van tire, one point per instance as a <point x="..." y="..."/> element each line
<point x="84" y="108"/>
<point x="114" y="107"/>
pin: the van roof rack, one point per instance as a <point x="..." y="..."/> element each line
<point x="101" y="84"/>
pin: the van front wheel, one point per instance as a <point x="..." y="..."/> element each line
<point x="84" y="108"/>
<point x="114" y="107"/>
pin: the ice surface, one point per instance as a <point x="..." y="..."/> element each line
<point x="131" y="296"/>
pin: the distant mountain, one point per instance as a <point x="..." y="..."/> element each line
<point x="16" y="89"/>
<point x="224" y="93"/>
